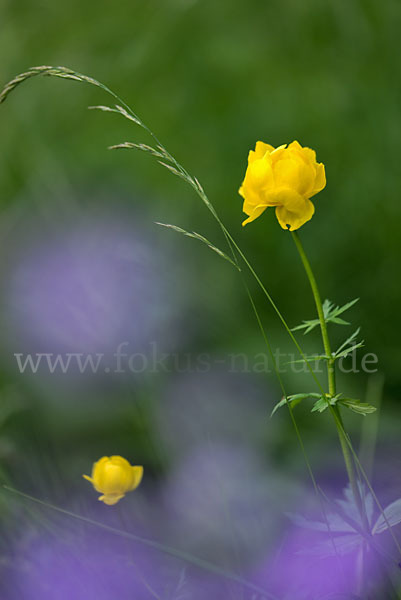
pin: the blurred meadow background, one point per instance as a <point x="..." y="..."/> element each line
<point x="85" y="268"/>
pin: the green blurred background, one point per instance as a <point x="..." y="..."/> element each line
<point x="210" y="78"/>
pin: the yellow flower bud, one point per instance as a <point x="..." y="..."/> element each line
<point x="286" y="178"/>
<point x="113" y="477"/>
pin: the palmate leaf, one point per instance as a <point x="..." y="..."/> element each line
<point x="294" y="400"/>
<point x="201" y="238"/>
<point x="331" y="315"/>
<point x="343" y="514"/>
<point x="280" y="404"/>
<point x="323" y="403"/>
<point x="349" y="345"/>
<point x="361" y="408"/>
<point x="349" y="510"/>
<point x="393" y="516"/>
<point x="307" y="325"/>
<point x="335" y="311"/>
<point x="343" y="519"/>
<point x="335" y="523"/>
<point x="349" y="350"/>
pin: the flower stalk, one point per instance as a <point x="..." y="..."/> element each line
<point x="331" y="377"/>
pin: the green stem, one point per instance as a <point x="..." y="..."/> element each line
<point x="349" y="463"/>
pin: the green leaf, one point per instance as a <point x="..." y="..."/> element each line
<point x="311" y="358"/>
<point x="361" y="408"/>
<point x="280" y="404"/>
<point x="294" y="400"/>
<point x="303" y="396"/>
<point x="349" y="346"/>
<point x="339" y="321"/>
<point x="201" y="238"/>
<point x="324" y="401"/>
<point x="307" y="325"/>
<point x="320" y="405"/>
<point x="340" y="309"/>
<point x="350" y="349"/>
<point x="327" y="306"/>
<point x="350" y="339"/>
<point x="331" y="315"/>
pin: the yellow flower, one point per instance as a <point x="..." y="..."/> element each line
<point x="286" y="178"/>
<point x="113" y="477"/>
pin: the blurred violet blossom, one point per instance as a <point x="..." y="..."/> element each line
<point x="219" y="502"/>
<point x="87" y="288"/>
<point x="98" y="565"/>
<point x="328" y="557"/>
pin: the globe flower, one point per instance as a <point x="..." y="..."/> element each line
<point x="113" y="477"/>
<point x="285" y="178"/>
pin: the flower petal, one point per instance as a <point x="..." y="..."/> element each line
<point x="286" y="173"/>
<point x="285" y="196"/>
<point x="320" y="180"/>
<point x="136" y="474"/>
<point x="257" y="211"/>
<point x="307" y="154"/>
<point x="260" y="150"/>
<point x="294" y="219"/>
<point x="259" y="174"/>
<point x="97" y="472"/>
<point x="111" y="499"/>
<point x="258" y="181"/>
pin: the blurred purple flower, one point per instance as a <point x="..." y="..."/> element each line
<point x="291" y="574"/>
<point x="327" y="557"/>
<point x="219" y="503"/>
<point x="87" y="288"/>
<point x="101" y="567"/>
<point x="91" y="564"/>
